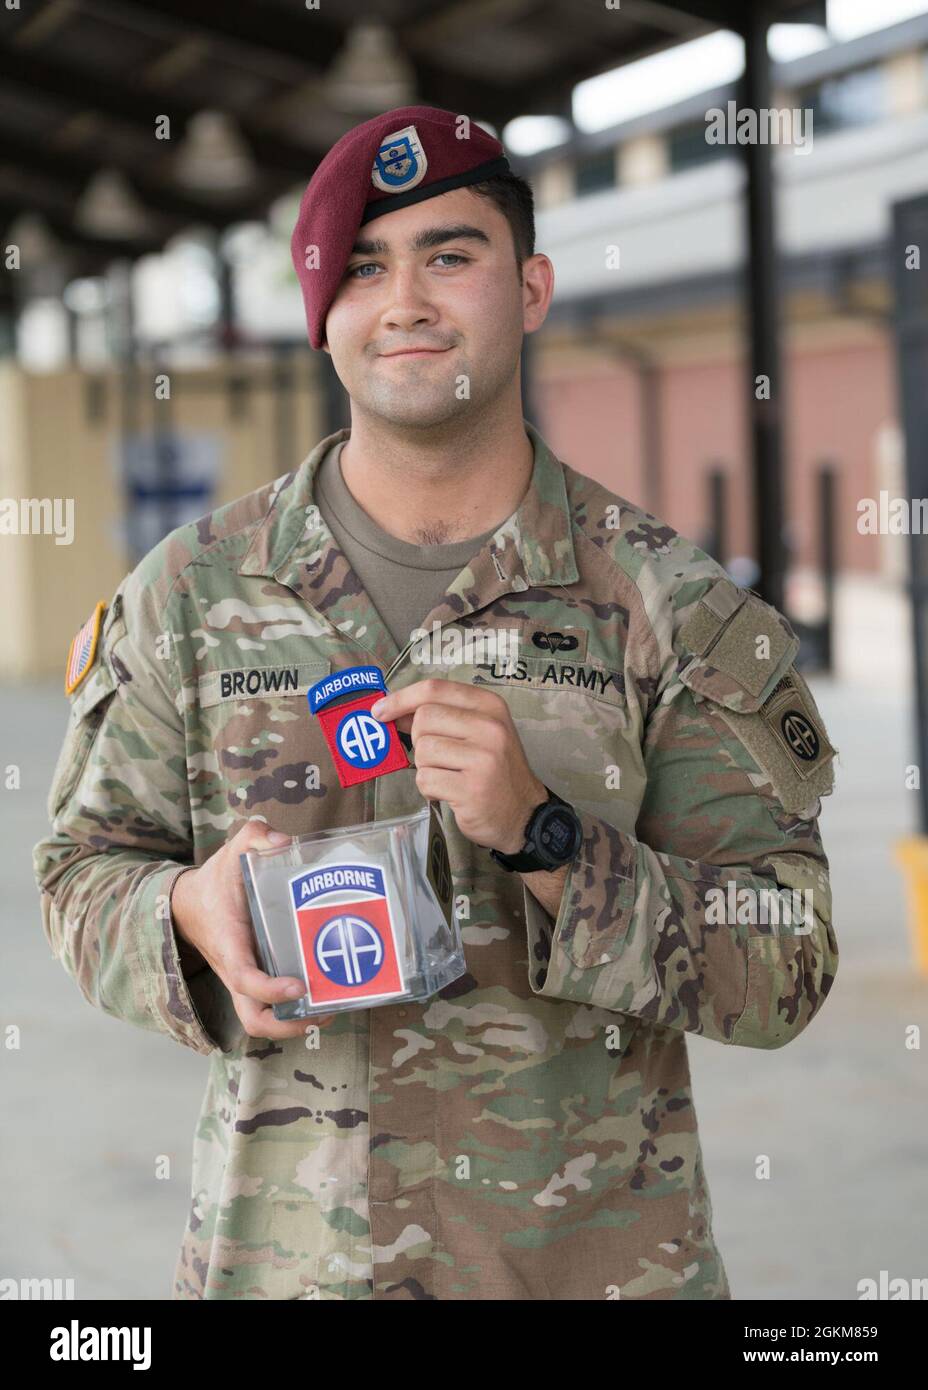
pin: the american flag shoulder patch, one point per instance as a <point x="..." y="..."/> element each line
<point x="83" y="649"/>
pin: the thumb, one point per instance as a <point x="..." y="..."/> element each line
<point x="257" y="834"/>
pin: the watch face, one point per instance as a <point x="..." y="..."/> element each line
<point x="557" y="834"/>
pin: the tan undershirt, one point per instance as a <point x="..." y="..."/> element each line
<point x="404" y="581"/>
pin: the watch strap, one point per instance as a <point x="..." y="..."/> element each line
<point x="526" y="860"/>
<point x="523" y="862"/>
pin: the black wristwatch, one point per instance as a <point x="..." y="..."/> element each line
<point x="552" y="838"/>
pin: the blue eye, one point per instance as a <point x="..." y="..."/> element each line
<point x="365" y="265"/>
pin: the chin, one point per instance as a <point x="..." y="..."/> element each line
<point x="419" y="414"/>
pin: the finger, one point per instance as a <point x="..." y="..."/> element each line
<point x="276" y="839"/>
<point x="261" y="1023"/>
<point x="433" y="750"/>
<point x="438" y="784"/>
<point x="268" y="989"/>
<point x="257" y="834"/>
<point x="440" y="689"/>
<point x="237" y="966"/>
<point x="454" y="721"/>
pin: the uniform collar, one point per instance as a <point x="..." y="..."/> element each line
<point x="293" y="545"/>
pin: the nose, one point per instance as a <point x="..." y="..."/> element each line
<point x="408" y="306"/>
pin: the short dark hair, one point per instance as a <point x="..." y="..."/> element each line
<point x="514" y="197"/>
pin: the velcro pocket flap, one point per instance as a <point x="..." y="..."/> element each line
<point x="741" y="647"/>
<point x="745" y="665"/>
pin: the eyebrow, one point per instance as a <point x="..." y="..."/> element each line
<point x="431" y="236"/>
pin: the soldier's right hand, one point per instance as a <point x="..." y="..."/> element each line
<point x="210" y="911"/>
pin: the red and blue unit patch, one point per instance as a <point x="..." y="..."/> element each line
<point x="346" y="933"/>
<point x="362" y="747"/>
<point x="83" y="649"/>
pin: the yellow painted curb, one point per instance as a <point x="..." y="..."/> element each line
<point x="912" y="855"/>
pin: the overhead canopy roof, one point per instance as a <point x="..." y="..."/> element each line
<point x="82" y="83"/>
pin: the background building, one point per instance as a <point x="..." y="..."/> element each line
<point x="154" y="364"/>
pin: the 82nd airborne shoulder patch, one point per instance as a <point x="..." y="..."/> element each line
<point x="83" y="649"/>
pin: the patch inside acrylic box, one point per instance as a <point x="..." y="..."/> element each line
<point x="346" y="933"/>
<point x="364" y="914"/>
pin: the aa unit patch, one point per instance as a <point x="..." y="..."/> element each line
<point x="400" y="163"/>
<point x="346" y="933"/>
<point x="788" y="713"/>
<point x="83" y="649"/>
<point x="362" y="747"/>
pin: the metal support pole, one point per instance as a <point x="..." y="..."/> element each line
<point x="226" y="327"/>
<point x="827" y="514"/>
<point x="718" y="512"/>
<point x="284" y="424"/>
<point x="765" y="415"/>
<point x="909" y="238"/>
<point x="649" y="377"/>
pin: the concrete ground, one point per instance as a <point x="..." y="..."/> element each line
<point x="89" y="1105"/>
<point x="840" y="1111"/>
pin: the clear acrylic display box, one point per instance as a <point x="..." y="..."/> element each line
<point x="363" y="914"/>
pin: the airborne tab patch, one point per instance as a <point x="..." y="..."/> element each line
<point x="83" y="649"/>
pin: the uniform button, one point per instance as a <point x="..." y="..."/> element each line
<point x="402" y="1012"/>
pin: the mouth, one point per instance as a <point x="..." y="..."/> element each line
<point x="417" y="352"/>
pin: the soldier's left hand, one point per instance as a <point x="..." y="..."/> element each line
<point x="469" y="754"/>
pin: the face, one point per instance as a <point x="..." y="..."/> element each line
<point x="440" y="276"/>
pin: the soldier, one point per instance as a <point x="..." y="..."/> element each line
<point x="627" y="802"/>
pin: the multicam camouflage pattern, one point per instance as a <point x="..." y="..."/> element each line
<point x="529" y="1133"/>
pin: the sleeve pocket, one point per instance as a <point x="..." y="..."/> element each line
<point x="85" y="716"/>
<point x="597" y="937"/>
<point x="767" y="705"/>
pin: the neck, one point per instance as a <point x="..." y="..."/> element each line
<point x="437" y="487"/>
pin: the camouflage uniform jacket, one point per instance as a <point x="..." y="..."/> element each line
<point x="529" y="1132"/>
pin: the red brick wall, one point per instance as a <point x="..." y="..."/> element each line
<point x="837" y="399"/>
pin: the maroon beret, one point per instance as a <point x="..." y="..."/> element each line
<point x="389" y="162"/>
